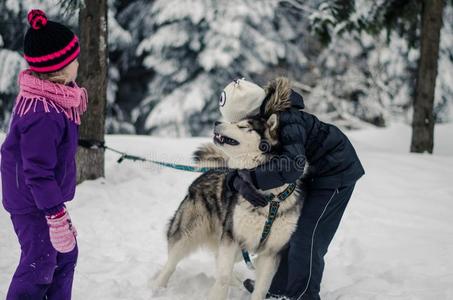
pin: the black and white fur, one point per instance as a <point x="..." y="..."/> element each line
<point x="210" y="215"/>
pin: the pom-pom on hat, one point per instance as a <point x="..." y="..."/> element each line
<point x="241" y="99"/>
<point x="48" y="46"/>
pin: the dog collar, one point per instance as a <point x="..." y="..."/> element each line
<point x="274" y="205"/>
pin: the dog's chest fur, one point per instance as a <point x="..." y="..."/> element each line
<point x="248" y="224"/>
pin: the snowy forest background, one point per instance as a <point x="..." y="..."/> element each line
<point x="169" y="60"/>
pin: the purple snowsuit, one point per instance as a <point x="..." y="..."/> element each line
<point x="38" y="173"/>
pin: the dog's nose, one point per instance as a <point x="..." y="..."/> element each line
<point x="217" y="123"/>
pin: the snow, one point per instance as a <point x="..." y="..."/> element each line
<point x="168" y="11"/>
<point x="10" y="64"/>
<point x="118" y="38"/>
<point x="13" y="5"/>
<point x="177" y="107"/>
<point x="444" y="87"/>
<point x="165" y="37"/>
<point x="395" y="240"/>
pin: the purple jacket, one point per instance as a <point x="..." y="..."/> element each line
<point x="38" y="167"/>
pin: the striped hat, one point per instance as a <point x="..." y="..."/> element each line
<point x="48" y="46"/>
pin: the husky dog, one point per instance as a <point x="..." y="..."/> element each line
<point x="214" y="216"/>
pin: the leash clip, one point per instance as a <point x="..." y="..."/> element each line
<point x="122" y="157"/>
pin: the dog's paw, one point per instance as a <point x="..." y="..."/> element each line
<point x="157" y="283"/>
<point x="157" y="289"/>
<point x="157" y="292"/>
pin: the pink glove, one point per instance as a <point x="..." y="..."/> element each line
<point x="62" y="232"/>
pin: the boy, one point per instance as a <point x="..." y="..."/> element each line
<point x="328" y="183"/>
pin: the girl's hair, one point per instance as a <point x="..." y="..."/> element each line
<point x="61" y="77"/>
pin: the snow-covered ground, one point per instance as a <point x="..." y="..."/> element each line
<point x="395" y="240"/>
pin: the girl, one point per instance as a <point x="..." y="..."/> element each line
<point x="333" y="169"/>
<point x="38" y="161"/>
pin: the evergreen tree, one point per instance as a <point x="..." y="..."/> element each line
<point x="420" y="23"/>
<point x="168" y="60"/>
<point x="194" y="48"/>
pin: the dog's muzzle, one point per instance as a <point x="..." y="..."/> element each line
<point x="223" y="139"/>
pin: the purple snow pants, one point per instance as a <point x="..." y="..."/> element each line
<point x="43" y="273"/>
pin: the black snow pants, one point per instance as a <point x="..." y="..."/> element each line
<point x="302" y="263"/>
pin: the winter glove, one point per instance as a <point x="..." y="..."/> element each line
<point x="241" y="181"/>
<point x="229" y="181"/>
<point x="62" y="232"/>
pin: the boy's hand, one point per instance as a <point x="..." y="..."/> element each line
<point x="241" y="182"/>
<point x="62" y="232"/>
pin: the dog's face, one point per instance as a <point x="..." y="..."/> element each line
<point x="246" y="138"/>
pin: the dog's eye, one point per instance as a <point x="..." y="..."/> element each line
<point x="246" y="128"/>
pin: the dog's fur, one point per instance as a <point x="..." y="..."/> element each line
<point x="213" y="216"/>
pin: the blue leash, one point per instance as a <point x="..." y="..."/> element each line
<point x="94" y="144"/>
<point x="184" y="167"/>
<point x="168" y="165"/>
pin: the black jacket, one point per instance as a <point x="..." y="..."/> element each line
<point x="332" y="160"/>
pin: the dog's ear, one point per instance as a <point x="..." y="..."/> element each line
<point x="272" y="122"/>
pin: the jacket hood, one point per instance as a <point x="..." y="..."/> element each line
<point x="280" y="97"/>
<point x="296" y="100"/>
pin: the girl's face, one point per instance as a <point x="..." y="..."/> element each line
<point x="71" y="70"/>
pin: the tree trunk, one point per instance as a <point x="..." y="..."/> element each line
<point x="423" y="118"/>
<point x="93" y="76"/>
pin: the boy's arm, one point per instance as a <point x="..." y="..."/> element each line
<point x="289" y="165"/>
<point x="39" y="140"/>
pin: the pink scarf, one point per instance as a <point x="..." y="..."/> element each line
<point x="71" y="100"/>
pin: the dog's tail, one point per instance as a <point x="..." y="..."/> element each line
<point x="208" y="155"/>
